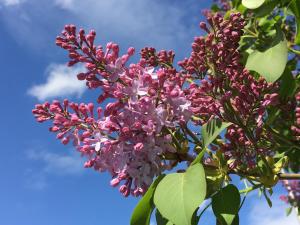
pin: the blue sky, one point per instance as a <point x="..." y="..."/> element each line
<point x="43" y="182"/>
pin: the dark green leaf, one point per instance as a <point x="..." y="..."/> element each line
<point x="195" y="218"/>
<point x="267" y="198"/>
<point x="288" y="84"/>
<point x="178" y="195"/>
<point x="212" y="129"/>
<point x="215" y="8"/>
<point x="142" y="212"/>
<point x="266" y="8"/>
<point x="295" y="8"/>
<point x="226" y="204"/>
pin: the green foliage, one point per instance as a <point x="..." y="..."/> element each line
<point x="212" y="129"/>
<point x="178" y="195"/>
<point x="266" y="8"/>
<point x="142" y="212"/>
<point x="226" y="204"/>
<point x="294" y="6"/>
<point x="288" y="84"/>
<point x="270" y="63"/>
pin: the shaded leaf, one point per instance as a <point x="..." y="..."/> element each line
<point x="288" y="84"/>
<point x="266" y="8"/>
<point x="295" y="8"/>
<point x="226" y="204"/>
<point x="178" y="195"/>
<point x="267" y="198"/>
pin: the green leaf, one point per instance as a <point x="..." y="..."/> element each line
<point x="289" y="211"/>
<point x="226" y="204"/>
<point x="288" y="84"/>
<point x="212" y="129"/>
<point x="199" y="157"/>
<point x="178" y="195"/>
<point x="267" y="198"/>
<point x="252" y="4"/>
<point x="295" y="8"/>
<point x="142" y="212"/>
<point x="266" y="8"/>
<point x="271" y="63"/>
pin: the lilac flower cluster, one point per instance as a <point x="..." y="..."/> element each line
<point x="129" y="137"/>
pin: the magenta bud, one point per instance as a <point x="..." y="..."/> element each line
<point x="65" y="140"/>
<point x="203" y="26"/>
<point x="81" y="76"/>
<point x="130" y="51"/>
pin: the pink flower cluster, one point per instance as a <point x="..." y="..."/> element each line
<point x="130" y="136"/>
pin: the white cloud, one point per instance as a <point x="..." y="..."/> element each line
<point x="11" y="2"/>
<point x="48" y="163"/>
<point x="58" y="164"/>
<point x="61" y="82"/>
<point x="261" y="214"/>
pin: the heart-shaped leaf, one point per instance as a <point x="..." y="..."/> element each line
<point x="226" y="204"/>
<point x="271" y="63"/>
<point x="142" y="212"/>
<point x="178" y="195"/>
<point x="212" y="129"/>
<point x="252" y="4"/>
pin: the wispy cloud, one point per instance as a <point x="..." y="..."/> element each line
<point x="35" y="180"/>
<point x="261" y="214"/>
<point x="61" y="82"/>
<point x="48" y="163"/>
<point x="58" y="164"/>
<point x="162" y="24"/>
<point x="11" y="2"/>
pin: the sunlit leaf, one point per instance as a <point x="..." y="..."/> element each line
<point x="271" y="63"/>
<point x="252" y="4"/>
<point x="179" y="194"/>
